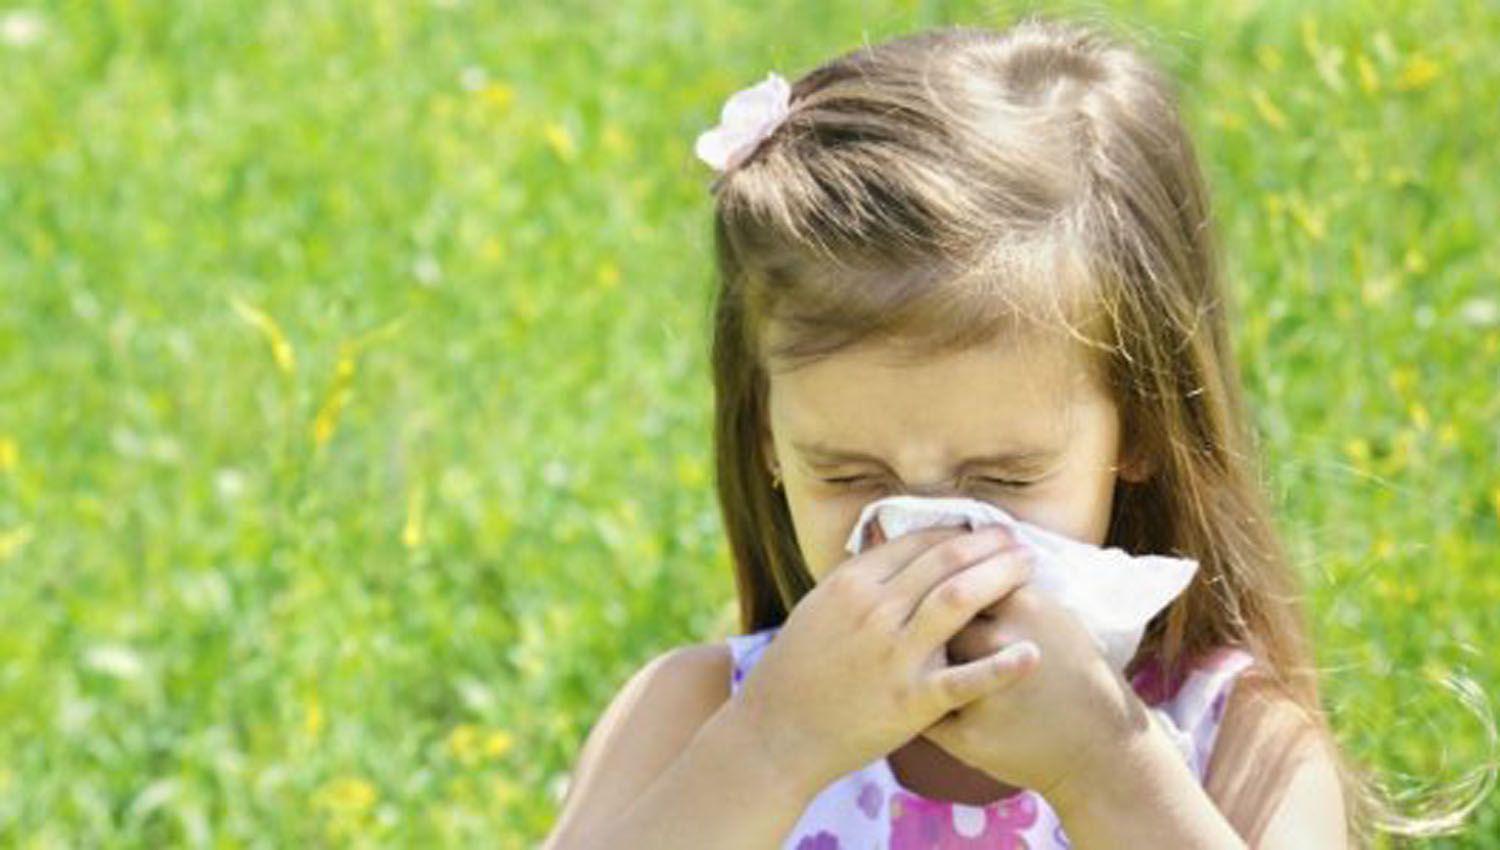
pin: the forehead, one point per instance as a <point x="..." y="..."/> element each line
<point x="1015" y="389"/>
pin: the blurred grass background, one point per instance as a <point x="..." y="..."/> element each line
<point x="354" y="409"/>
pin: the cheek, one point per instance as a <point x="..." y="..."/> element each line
<point x="1073" y="509"/>
<point x="823" y="525"/>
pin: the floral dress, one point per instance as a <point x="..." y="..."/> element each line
<point x="868" y="809"/>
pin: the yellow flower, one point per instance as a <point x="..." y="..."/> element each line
<point x="1419" y="417"/>
<point x="1267" y="109"/>
<point x="281" y="348"/>
<point x="492" y="250"/>
<point x="338" y="395"/>
<point x="690" y="471"/>
<point x="11" y="541"/>
<point x="497" y="95"/>
<point x="609" y="275"/>
<point x="349" y="794"/>
<point x="560" y="140"/>
<point x="1358" y="450"/>
<point x="1418" y="73"/>
<point x="1402" y="379"/>
<point x="1447" y="434"/>
<point x="463" y="742"/>
<point x="10" y="454"/>
<point x="1309" y="219"/>
<point x="497" y="743"/>
<point x="1310" y="35"/>
<point x="413" y="532"/>
<point x="1368" y="79"/>
<point x="1495" y="502"/>
<point x="1384" y="587"/>
<point x="1414" y="261"/>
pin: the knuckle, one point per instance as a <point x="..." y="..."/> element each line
<point x="1023" y="598"/>
<point x="883" y="612"/>
<point x="955" y="554"/>
<point x="839" y="582"/>
<point x="831" y="586"/>
<point x="955" y="596"/>
<point x="952" y="690"/>
<point x="850" y="589"/>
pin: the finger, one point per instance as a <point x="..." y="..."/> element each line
<point x="961" y="684"/>
<point x="878" y="562"/>
<point x="979" y="637"/>
<point x="954" y="601"/>
<point x="915" y="577"/>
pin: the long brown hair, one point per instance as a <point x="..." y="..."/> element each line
<point x="944" y="187"/>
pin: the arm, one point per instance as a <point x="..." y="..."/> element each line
<point x="672" y="764"/>
<point x="1269" y="778"/>
<point x="1146" y="797"/>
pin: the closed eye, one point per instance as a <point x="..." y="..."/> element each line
<point x="857" y="479"/>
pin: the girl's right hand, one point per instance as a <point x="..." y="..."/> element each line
<point x="859" y="667"/>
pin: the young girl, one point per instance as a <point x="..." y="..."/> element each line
<point x="972" y="263"/>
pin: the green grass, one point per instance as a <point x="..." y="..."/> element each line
<point x="354" y="407"/>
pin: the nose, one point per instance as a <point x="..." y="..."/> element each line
<point x="875" y="535"/>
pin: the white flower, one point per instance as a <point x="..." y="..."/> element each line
<point x="1480" y="312"/>
<point x="749" y="116"/>
<point x="22" y="27"/>
<point x="472" y="78"/>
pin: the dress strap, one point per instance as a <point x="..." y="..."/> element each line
<point x="1196" y="709"/>
<point x="745" y="650"/>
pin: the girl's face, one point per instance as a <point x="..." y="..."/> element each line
<point x="1017" y="422"/>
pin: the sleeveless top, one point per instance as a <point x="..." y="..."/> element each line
<point x="868" y="809"/>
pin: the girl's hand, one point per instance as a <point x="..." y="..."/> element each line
<point x="859" y="666"/>
<point x="1066" y="713"/>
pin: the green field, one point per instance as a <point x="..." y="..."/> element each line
<point x="354" y="402"/>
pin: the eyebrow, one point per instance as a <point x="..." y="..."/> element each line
<point x="1021" y="458"/>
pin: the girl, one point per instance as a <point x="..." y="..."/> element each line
<point x="972" y="263"/>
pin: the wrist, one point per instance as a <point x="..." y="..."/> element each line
<point x="1114" y="776"/>
<point x="793" y="772"/>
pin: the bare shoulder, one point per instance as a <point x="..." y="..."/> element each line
<point x="646" y="725"/>
<point x="1274" y="771"/>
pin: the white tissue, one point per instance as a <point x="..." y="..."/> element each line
<point x="1113" y="593"/>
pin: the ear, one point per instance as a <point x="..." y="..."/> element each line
<point x="767" y="442"/>
<point x="768" y="452"/>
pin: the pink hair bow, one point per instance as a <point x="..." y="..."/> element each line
<point x="748" y="117"/>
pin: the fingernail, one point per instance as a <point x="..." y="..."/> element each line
<point x="1020" y="653"/>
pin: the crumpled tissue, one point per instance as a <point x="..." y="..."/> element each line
<point x="1113" y="593"/>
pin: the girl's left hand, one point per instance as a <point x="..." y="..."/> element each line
<point x="1060" y="720"/>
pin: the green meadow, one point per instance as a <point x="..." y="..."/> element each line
<point x="355" y="411"/>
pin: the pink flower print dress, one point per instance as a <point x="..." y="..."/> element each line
<point x="868" y="809"/>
